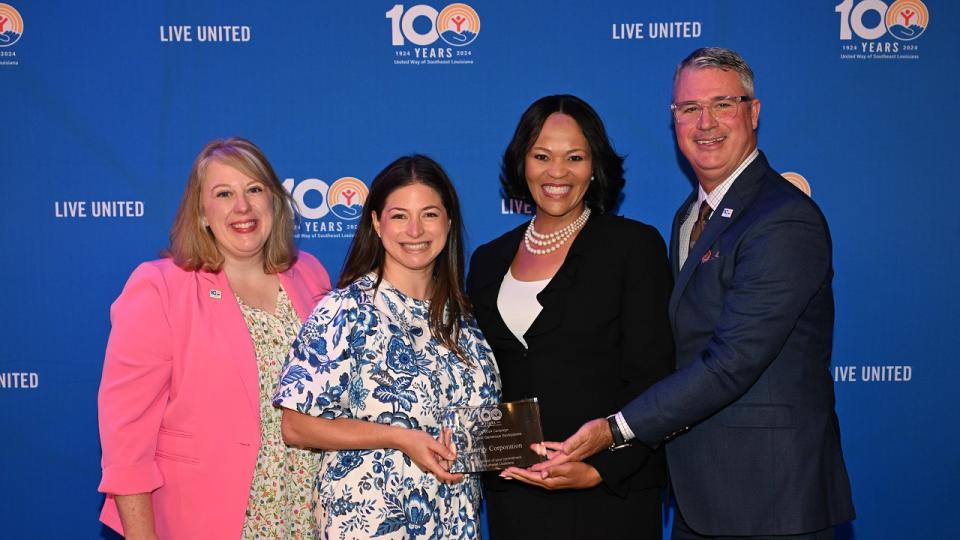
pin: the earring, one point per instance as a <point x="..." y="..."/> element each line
<point x="591" y="178"/>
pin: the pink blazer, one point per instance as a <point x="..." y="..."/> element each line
<point x="179" y="403"/>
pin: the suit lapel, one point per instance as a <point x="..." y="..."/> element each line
<point x="232" y="342"/>
<point x="675" y="233"/>
<point x="491" y="277"/>
<point x="733" y="204"/>
<point x="300" y="301"/>
<point x="554" y="296"/>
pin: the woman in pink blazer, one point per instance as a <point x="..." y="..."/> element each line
<point x="190" y="446"/>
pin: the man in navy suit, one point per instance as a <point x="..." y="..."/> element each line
<point x="752" y="439"/>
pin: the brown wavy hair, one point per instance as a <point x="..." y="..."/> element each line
<point x="193" y="246"/>
<point x="448" y="303"/>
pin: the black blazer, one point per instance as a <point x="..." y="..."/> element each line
<point x="752" y="313"/>
<point x="602" y="337"/>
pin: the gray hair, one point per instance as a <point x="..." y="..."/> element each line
<point x="718" y="58"/>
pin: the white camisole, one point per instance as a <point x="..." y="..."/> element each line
<point x="518" y="305"/>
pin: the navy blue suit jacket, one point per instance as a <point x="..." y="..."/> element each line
<point x="754" y="442"/>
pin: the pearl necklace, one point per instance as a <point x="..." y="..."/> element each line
<point x="552" y="241"/>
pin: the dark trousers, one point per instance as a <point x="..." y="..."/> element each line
<point x="530" y="513"/>
<point x="681" y="531"/>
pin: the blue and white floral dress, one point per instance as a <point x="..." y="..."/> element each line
<point x="369" y="355"/>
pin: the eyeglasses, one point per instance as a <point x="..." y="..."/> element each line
<point x="722" y="108"/>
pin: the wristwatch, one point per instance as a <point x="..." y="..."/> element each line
<point x="618" y="440"/>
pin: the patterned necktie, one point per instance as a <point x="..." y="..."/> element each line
<point x="699" y="224"/>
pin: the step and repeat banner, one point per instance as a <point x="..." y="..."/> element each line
<point x="105" y="106"/>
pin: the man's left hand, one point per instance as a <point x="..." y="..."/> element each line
<point x="592" y="438"/>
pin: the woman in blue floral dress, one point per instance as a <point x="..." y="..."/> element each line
<point x="381" y="357"/>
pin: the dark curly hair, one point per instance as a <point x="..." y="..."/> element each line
<point x="607" y="171"/>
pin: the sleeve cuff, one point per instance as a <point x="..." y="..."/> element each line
<point x="624" y="427"/>
<point x="131" y="479"/>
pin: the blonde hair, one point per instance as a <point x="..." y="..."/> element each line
<point x="193" y="246"/>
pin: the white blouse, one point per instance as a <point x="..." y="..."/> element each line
<point x="518" y="305"/>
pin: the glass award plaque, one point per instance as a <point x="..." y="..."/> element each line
<point x="494" y="438"/>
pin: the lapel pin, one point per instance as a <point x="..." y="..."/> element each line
<point x="215" y="294"/>
<point x="727" y="212"/>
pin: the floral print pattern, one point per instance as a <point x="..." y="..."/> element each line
<point x="283" y="498"/>
<point x="368" y="354"/>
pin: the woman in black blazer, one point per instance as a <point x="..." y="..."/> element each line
<point x="601" y="337"/>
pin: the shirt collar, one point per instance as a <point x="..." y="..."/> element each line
<point x="714" y="197"/>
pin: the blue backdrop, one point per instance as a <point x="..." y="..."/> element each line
<point x="104" y="109"/>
